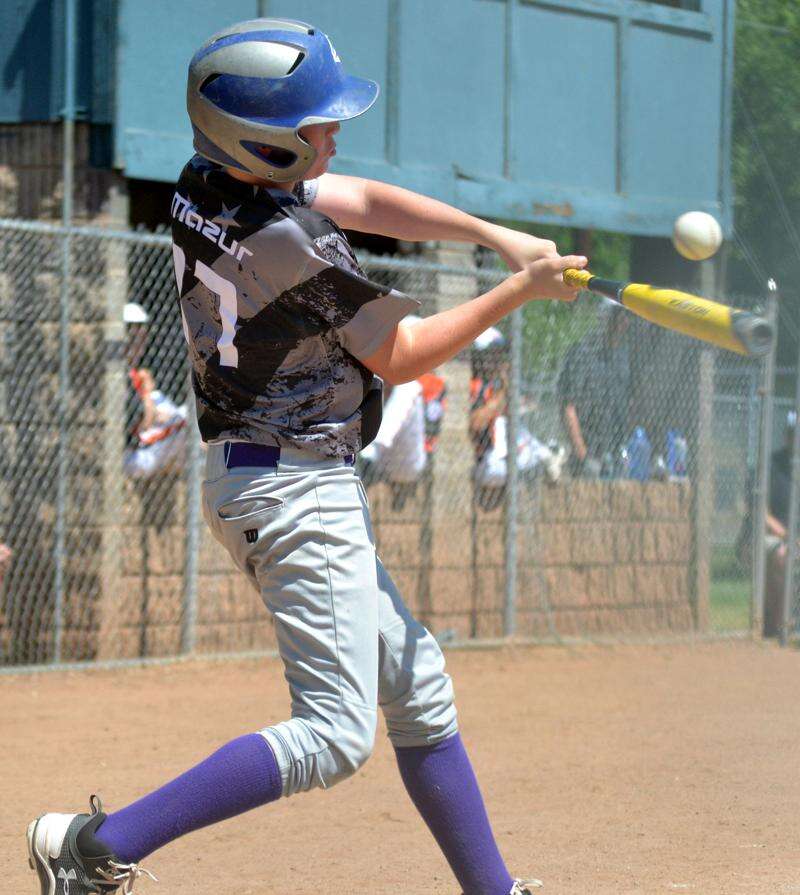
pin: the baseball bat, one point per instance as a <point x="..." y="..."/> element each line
<point x="739" y="331"/>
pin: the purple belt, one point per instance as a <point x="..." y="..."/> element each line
<point x="245" y="453"/>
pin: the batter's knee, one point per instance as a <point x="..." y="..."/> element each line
<point x="416" y="722"/>
<point x="349" y="751"/>
<point x="418" y="701"/>
<point x="322" y="749"/>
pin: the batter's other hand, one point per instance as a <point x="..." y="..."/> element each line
<point x="519" y="249"/>
<point x="546" y="278"/>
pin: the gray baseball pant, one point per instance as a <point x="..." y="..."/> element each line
<point x="301" y="532"/>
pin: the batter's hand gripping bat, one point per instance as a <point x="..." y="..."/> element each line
<point x="709" y="321"/>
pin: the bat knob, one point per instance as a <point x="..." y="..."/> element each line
<point x="578" y="278"/>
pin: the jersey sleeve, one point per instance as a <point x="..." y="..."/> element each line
<point x="305" y="191"/>
<point x="369" y="313"/>
<point x="305" y="286"/>
<point x="362" y="313"/>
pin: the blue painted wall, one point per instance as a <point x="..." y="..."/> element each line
<point x="590" y="113"/>
<point x="32" y="59"/>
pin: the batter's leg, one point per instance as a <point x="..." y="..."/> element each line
<point x="314" y="563"/>
<point x="416" y="696"/>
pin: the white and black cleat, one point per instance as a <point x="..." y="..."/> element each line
<point x="69" y="859"/>
<point x="525" y="886"/>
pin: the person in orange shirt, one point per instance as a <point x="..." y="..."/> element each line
<point x="156" y="433"/>
<point x="488" y="424"/>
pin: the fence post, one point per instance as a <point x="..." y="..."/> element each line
<point x="512" y="478"/>
<point x="791" y="533"/>
<point x="761" y="490"/>
<point x="454" y="455"/>
<point x="115" y="253"/>
<point x="192" y="553"/>
<point x="703" y="477"/>
<point x="64" y="386"/>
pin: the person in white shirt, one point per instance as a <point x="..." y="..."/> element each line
<point x="488" y="424"/>
<point x="157" y="434"/>
<point x="398" y="452"/>
<point x="397" y="455"/>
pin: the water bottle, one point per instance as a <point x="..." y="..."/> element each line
<point x="639" y="455"/>
<point x="660" y="471"/>
<point x="677" y="451"/>
<point x="624" y="464"/>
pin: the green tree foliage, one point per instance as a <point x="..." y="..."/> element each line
<point x="766" y="150"/>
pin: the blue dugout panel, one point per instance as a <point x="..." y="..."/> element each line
<point x="589" y="113"/>
<point x="32" y="60"/>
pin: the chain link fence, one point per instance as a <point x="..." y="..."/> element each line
<point x="623" y="511"/>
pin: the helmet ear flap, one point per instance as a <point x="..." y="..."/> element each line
<point x="280" y="157"/>
<point x="276" y="155"/>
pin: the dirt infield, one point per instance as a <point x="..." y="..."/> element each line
<point x="606" y="770"/>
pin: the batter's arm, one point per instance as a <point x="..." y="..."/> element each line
<point x="411" y="351"/>
<point x="371" y="206"/>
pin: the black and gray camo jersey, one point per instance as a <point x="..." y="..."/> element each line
<point x="277" y="313"/>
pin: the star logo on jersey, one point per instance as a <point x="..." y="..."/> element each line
<point x="227" y="217"/>
<point x="185" y="211"/>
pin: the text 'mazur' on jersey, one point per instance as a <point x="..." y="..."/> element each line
<point x="277" y="313"/>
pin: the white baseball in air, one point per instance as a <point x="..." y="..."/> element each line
<point x="696" y="235"/>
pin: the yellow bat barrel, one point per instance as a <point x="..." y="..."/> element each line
<point x="700" y="318"/>
<point x="697" y="317"/>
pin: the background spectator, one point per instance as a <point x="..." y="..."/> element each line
<point x="594" y="390"/>
<point x="412" y="417"/>
<point x="777" y="522"/>
<point x="5" y="561"/>
<point x="398" y="452"/>
<point x="488" y="423"/>
<point x="156" y="426"/>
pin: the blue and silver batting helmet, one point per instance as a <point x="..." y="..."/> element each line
<point x="254" y="85"/>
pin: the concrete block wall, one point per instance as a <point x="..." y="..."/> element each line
<point x="595" y="558"/>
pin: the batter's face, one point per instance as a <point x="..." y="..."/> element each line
<point x="320" y="137"/>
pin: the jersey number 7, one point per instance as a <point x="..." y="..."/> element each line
<point x="225" y="290"/>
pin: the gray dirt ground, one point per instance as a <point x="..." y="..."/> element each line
<point x="606" y="770"/>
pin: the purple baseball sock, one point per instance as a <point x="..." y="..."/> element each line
<point x="442" y="785"/>
<point x="243" y="774"/>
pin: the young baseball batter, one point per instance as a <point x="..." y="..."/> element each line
<point x="289" y="344"/>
